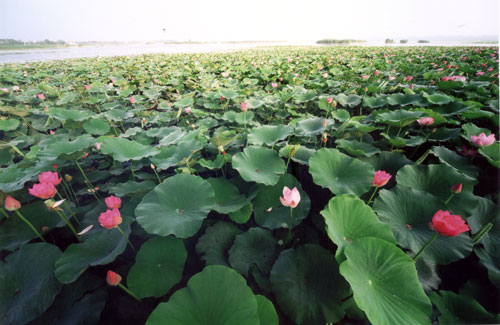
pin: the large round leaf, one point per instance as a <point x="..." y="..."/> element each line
<point x="27" y="283"/>
<point x="398" y="118"/>
<point x="492" y="153"/>
<point x="340" y="173"/>
<point x="96" y="126"/>
<point x="59" y="146"/>
<point x="269" y="212"/>
<point x="177" y="206"/>
<point x="459" y="163"/>
<point x="216" y="242"/>
<point x="260" y="165"/>
<point x="101" y="246"/>
<point x="9" y="124"/>
<point x="384" y="281"/>
<point x="158" y="266"/>
<point x="267" y="313"/>
<point x="438" y="99"/>
<point x="486" y="212"/>
<point x="68" y="114"/>
<point x="408" y="212"/>
<point x="269" y="134"/>
<point x="308" y="286"/>
<point x="351" y="100"/>
<point x="256" y="247"/>
<point x="227" y="196"/>
<point x="313" y="126"/>
<point x="216" y="295"/>
<point x="348" y="219"/>
<point x="356" y="148"/>
<point x="125" y="150"/>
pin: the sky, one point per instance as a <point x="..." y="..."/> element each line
<point x="237" y="20"/>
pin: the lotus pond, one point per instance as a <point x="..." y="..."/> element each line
<point x="280" y="186"/>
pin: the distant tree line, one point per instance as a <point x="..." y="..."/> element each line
<point x="338" y="41"/>
<point x="10" y="41"/>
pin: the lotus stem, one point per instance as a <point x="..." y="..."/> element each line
<point x="425" y="246"/>
<point x="484" y="230"/>
<point x="449" y="199"/>
<point x="124" y="288"/>
<point x="132" y="170"/>
<point x="67" y="207"/>
<point x="4" y="213"/>
<point x="89" y="184"/>
<point x="63" y="217"/>
<point x="373" y="194"/>
<point x="30" y="225"/>
<point x="126" y="238"/>
<point x="290" y="225"/>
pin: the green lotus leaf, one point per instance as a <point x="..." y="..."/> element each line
<point x="59" y="146"/>
<point x="152" y="93"/>
<point x="404" y="99"/>
<point x="443" y="134"/>
<point x="184" y="102"/>
<point x="240" y="118"/>
<point x="63" y="114"/>
<point x="125" y="150"/>
<point x="267" y="313"/>
<point x="305" y="96"/>
<point x="350" y="101"/>
<point x="492" y="153"/>
<point x="227" y="196"/>
<point x="461" y="309"/>
<point x="228" y="93"/>
<point x="486" y="212"/>
<point x="340" y="173"/>
<point x="374" y="102"/>
<point x="242" y="215"/>
<point x="408" y="212"/>
<point x="348" y="218"/>
<point x="300" y="156"/>
<point x="399" y="118"/>
<point x="96" y="126"/>
<point x="100" y="247"/>
<point x="212" y="164"/>
<point x="132" y="188"/>
<point x="385" y="284"/>
<point x="308" y="286"/>
<point x="455" y="161"/>
<point x="9" y="124"/>
<point x="66" y="98"/>
<point x="214" y="244"/>
<point x="269" y="134"/>
<point x="312" y="126"/>
<point x="427" y="274"/>
<point x="450" y="109"/>
<point x="14" y="232"/>
<point x="256" y="247"/>
<point x="255" y="103"/>
<point x="174" y="155"/>
<point x="491" y="263"/>
<point x="158" y="267"/>
<point x="390" y="162"/>
<point x="216" y="295"/>
<point x="270" y="213"/>
<point x="438" y="99"/>
<point x="172" y="137"/>
<point x="356" y="148"/>
<point x="177" y="206"/>
<point x="118" y="114"/>
<point x="260" y="165"/>
<point x="27" y="283"/>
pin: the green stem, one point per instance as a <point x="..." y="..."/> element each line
<point x="66" y="191"/>
<point x="425" y="246"/>
<point x="128" y="291"/>
<point x="157" y="176"/>
<point x="245" y="119"/>
<point x="70" y="187"/>
<point x="63" y="217"/>
<point x="67" y="207"/>
<point x="126" y="238"/>
<point x="449" y="199"/>
<point x="373" y="194"/>
<point x="422" y="158"/>
<point x="132" y="170"/>
<point x="477" y="237"/>
<point x="89" y="184"/>
<point x="287" y="162"/>
<point x="290" y="226"/>
<point x="30" y="225"/>
<point x="4" y="213"/>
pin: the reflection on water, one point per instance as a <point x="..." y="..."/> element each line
<point x="145" y="48"/>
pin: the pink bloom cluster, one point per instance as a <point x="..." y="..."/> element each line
<point x="112" y="217"/>
<point x="454" y="78"/>
<point x="46" y="189"/>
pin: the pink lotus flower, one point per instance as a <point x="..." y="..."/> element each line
<point x="155" y="81"/>
<point x="110" y="219"/>
<point x="49" y="177"/>
<point x="409" y="78"/>
<point x="222" y="98"/>
<point x="425" y="121"/>
<point x="98" y="145"/>
<point x="85" y="155"/>
<point x="244" y="106"/>
<point x="43" y="190"/>
<point x="54" y="166"/>
<point x="489" y="70"/>
<point x="458" y="78"/>
<point x="187" y="110"/>
<point x="15" y="88"/>
<point x="447" y="224"/>
<point x="445" y="78"/>
<point x="325" y="75"/>
<point x="11" y="204"/>
<point x="132" y="100"/>
<point x="457" y="188"/>
<point x="329" y="100"/>
<point x="112" y="278"/>
<point x="113" y="202"/>
<point x="6" y="90"/>
<point x="376" y="72"/>
<point x="482" y="140"/>
<point x="41" y="96"/>
<point x="392" y="77"/>
<point x="364" y="77"/>
<point x="291" y="197"/>
<point x="381" y="178"/>
<point x="479" y="73"/>
<point x="225" y="74"/>
<point x="274" y="85"/>
<point x="87" y="87"/>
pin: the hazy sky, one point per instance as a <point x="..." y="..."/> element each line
<point x="215" y="20"/>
